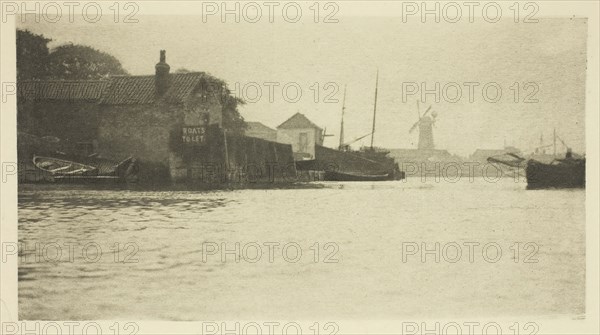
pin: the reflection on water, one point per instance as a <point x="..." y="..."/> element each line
<point x="158" y="255"/>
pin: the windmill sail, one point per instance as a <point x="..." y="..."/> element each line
<point x="419" y="121"/>
<point x="425" y="124"/>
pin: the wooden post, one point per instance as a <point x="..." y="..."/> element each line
<point x="226" y="155"/>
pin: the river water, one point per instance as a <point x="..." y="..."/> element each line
<point x="346" y="251"/>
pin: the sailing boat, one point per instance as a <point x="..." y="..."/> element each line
<point x="364" y="165"/>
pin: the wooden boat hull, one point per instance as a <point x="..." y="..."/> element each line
<point x="343" y="176"/>
<point x="63" y="167"/>
<point x="85" y="169"/>
<point x="338" y="165"/>
<point x="562" y="174"/>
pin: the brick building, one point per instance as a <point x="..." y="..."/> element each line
<point x="169" y="121"/>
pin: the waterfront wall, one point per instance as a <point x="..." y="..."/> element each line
<point x="141" y="131"/>
<point x="231" y="159"/>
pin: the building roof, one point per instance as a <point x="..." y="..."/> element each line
<point x="259" y="130"/>
<point x="141" y="89"/>
<point x="258" y="127"/>
<point x="298" y="121"/>
<point x="72" y="90"/>
<point x="117" y="90"/>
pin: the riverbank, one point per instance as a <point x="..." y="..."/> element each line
<point x="167" y="187"/>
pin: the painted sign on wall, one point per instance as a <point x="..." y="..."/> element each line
<point x="193" y="135"/>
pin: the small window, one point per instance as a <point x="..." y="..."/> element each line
<point x="303" y="142"/>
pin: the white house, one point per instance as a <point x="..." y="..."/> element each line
<point x="302" y="134"/>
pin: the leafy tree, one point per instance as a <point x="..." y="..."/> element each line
<point x="82" y="62"/>
<point x="232" y="119"/>
<point x="32" y="53"/>
<point x="36" y="61"/>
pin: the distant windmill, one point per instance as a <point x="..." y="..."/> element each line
<point x="425" y="124"/>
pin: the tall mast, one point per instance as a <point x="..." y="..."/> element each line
<point x="342" y="125"/>
<point x="374" y="108"/>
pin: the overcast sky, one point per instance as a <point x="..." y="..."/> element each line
<point x="550" y="54"/>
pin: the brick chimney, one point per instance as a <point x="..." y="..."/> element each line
<point x="161" y="79"/>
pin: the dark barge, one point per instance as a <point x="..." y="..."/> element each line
<point x="560" y="173"/>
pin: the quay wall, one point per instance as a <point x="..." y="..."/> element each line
<point x="231" y="159"/>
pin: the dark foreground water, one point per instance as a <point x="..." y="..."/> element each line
<point x="350" y="250"/>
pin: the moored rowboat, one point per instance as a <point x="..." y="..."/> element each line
<point x="61" y="167"/>
<point x="86" y="169"/>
